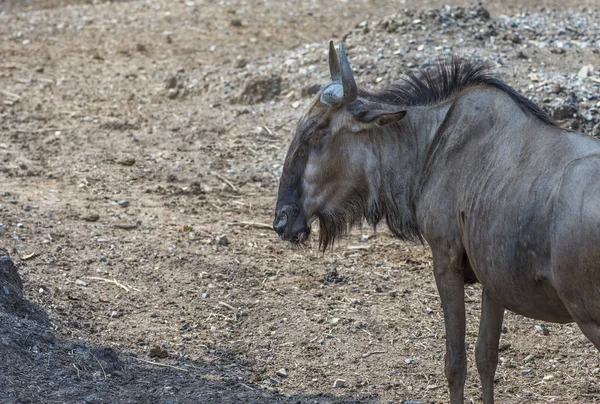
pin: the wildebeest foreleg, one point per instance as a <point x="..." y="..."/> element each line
<point x="450" y="284"/>
<point x="486" y="351"/>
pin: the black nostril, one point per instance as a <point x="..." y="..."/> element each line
<point x="279" y="223"/>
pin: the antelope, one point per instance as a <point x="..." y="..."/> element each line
<point x="454" y="157"/>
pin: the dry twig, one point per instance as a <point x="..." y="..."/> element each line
<point x="159" y="364"/>
<point x="366" y="355"/>
<point x="251" y="224"/>
<point x="115" y="282"/>
<point x="230" y="307"/>
<point x="226" y="181"/>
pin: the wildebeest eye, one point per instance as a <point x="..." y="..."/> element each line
<point x="322" y="131"/>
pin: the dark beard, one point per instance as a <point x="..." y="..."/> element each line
<point x="340" y="220"/>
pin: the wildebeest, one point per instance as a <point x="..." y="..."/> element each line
<point x="456" y="157"/>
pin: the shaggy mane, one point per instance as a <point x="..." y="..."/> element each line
<point x="446" y="78"/>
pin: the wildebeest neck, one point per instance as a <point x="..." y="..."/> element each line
<point x="403" y="151"/>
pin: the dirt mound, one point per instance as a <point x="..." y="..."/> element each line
<point x="12" y="300"/>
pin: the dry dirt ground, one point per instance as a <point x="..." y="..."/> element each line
<point x="136" y="182"/>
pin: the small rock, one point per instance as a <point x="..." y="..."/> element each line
<point x="172" y="93"/>
<point x="394" y="292"/>
<point x="240" y="63"/>
<point x="236" y="22"/>
<point x="171" y="82"/>
<point x="153" y="315"/>
<point x="274" y="380"/>
<point x="39" y="69"/>
<point x="585" y="71"/>
<point x="504" y="347"/>
<point x="223" y="240"/>
<point x="555" y="88"/>
<point x="542" y="329"/>
<point x="140" y="47"/>
<point x="260" y="90"/>
<point x="526" y="372"/>
<point x="548" y="377"/>
<point x="158" y="352"/>
<point x="528" y="358"/>
<point x="295" y="104"/>
<point x="411" y="402"/>
<point x="335" y="320"/>
<point x="126" y="160"/>
<point x="79" y="282"/>
<point x="123" y="203"/>
<point x="339" y="383"/>
<point x="596" y="130"/>
<point x="90" y="217"/>
<point x="205" y="295"/>
<point x="564" y="112"/>
<point x="282" y="373"/>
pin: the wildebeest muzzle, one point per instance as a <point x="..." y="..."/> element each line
<point x="290" y="223"/>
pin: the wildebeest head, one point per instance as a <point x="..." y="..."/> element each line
<point x="331" y="168"/>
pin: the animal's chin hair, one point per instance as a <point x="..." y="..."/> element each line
<point x="338" y="221"/>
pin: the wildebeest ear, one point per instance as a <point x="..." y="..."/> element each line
<point x="382" y="117"/>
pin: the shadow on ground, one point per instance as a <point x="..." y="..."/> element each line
<point x="36" y="366"/>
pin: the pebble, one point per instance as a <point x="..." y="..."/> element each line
<point x="171" y="82"/>
<point x="126" y="160"/>
<point x="205" y="295"/>
<point x="172" y="93"/>
<point x="542" y="329"/>
<point x="158" y="352"/>
<point x="564" y="112"/>
<point x="548" y="377"/>
<point x="335" y="320"/>
<point x="528" y="358"/>
<point x="339" y="383"/>
<point x="79" y="282"/>
<point x="123" y="203"/>
<point x="282" y="373"/>
<point x="585" y="71"/>
<point x="90" y="217"/>
<point x="223" y="240"/>
<point x="274" y="380"/>
<point x="526" y="372"/>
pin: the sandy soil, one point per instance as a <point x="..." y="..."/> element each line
<point x="137" y="184"/>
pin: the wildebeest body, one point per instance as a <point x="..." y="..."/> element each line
<point x="492" y="192"/>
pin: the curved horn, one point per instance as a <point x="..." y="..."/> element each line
<point x="342" y="88"/>
<point x="350" y="88"/>
<point x="334" y="64"/>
